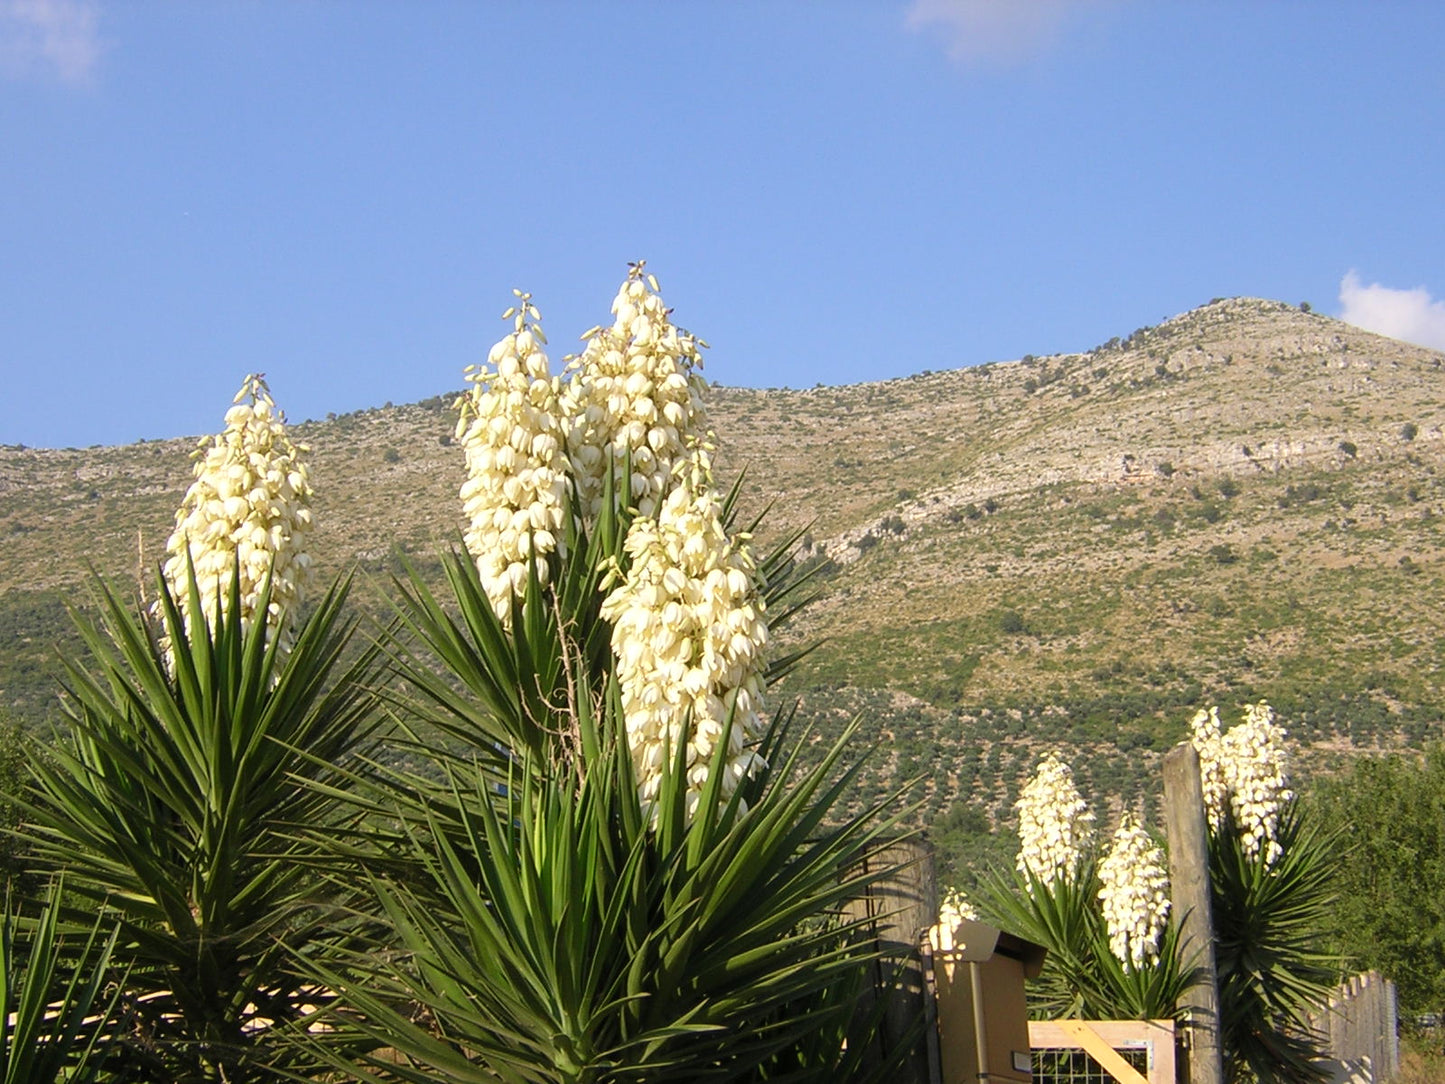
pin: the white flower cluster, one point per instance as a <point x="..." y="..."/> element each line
<point x="1244" y="770"/>
<point x="1056" y="826"/>
<point x="247" y="509"/>
<point x="952" y="912"/>
<point x="689" y="630"/>
<point x="689" y="638"/>
<point x="1133" y="894"/>
<point x="635" y="397"/>
<point x="1257" y="760"/>
<point x="1207" y="736"/>
<point x="511" y="429"/>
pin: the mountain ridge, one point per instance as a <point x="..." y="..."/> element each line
<point x="1242" y="501"/>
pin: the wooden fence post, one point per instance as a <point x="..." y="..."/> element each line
<point x="1189" y="889"/>
<point x="901" y="908"/>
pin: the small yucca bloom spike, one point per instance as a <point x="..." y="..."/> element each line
<point x="635" y="399"/>
<point x="690" y="639"/>
<point x="247" y="512"/>
<point x="955" y="910"/>
<point x="1056" y="826"/>
<point x="1133" y="894"/>
<point x="512" y="431"/>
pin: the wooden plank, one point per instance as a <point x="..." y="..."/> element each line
<point x="1048" y="1035"/>
<point x="1102" y="1052"/>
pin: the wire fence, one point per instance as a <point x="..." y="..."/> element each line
<point x="1078" y="1067"/>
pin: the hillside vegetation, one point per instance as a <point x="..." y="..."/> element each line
<point x="1242" y="502"/>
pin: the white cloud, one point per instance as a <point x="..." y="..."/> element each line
<point x="996" y="31"/>
<point x="59" y="36"/>
<point x="1411" y="315"/>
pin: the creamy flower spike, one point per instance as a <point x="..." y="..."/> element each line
<point x="248" y="508"/>
<point x="1134" y="894"/>
<point x="511" y="429"/>
<point x="1055" y="824"/>
<point x="635" y="396"/>
<point x="1255" y="761"/>
<point x="1244" y="770"/>
<point x="690" y="637"/>
<point x="1207" y="736"/>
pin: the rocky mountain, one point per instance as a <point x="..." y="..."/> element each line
<point x="1242" y="502"/>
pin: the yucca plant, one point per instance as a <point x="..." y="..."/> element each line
<point x="1270" y="922"/>
<point x="544" y="926"/>
<point x="1062" y="916"/>
<point x="1270" y="873"/>
<point x="58" y="1000"/>
<point x="178" y="801"/>
<point x="556" y="933"/>
<point x="1082" y="977"/>
<point x="627" y="875"/>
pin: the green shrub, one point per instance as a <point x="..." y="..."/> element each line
<point x="1011" y="623"/>
<point x="1222" y="553"/>
<point x="1389" y="879"/>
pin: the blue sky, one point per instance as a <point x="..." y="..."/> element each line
<point x="343" y="195"/>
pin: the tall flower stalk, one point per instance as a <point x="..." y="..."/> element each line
<point x="246" y="514"/>
<point x="690" y="636"/>
<point x="1056" y="826"/>
<point x="1244" y="773"/>
<point x="1134" y="894"/>
<point x="634" y="401"/>
<point x="513" y="434"/>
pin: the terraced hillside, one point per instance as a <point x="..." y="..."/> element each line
<point x="1243" y="501"/>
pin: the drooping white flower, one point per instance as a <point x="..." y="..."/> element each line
<point x="1133" y="894"/>
<point x="689" y="637"/>
<point x="635" y="397"/>
<point x="247" y="510"/>
<point x="1056" y="826"/>
<point x="511" y="429"/>
<point x="1245" y="771"/>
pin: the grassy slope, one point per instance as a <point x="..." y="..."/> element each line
<point x="1074" y="550"/>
